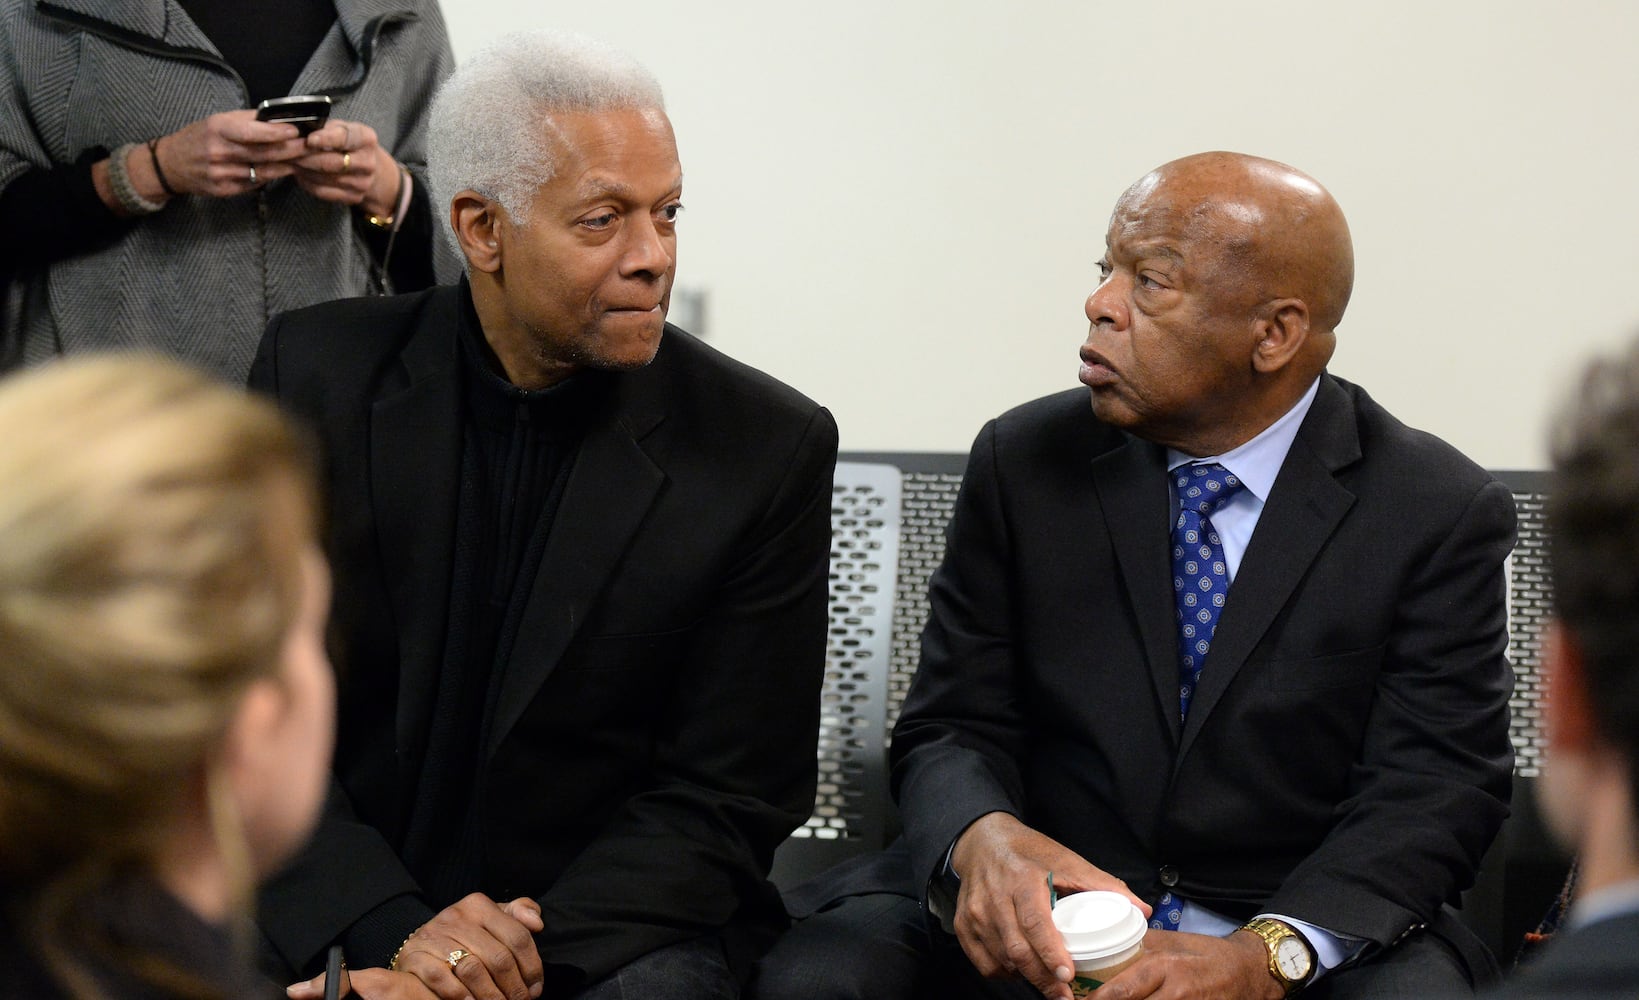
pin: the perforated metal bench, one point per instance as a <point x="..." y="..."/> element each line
<point x="888" y="535"/>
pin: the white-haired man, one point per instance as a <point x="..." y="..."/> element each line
<point x="580" y="577"/>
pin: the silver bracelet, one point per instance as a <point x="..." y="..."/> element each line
<point x="119" y="178"/>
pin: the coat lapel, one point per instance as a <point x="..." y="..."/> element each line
<point x="415" y="476"/>
<point x="1132" y="487"/>
<point x="1304" y="508"/>
<point x="149" y="18"/>
<point x="335" y="69"/>
<point x="356" y="16"/>
<point x="611" y="487"/>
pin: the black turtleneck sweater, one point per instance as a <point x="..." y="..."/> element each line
<point x="517" y="450"/>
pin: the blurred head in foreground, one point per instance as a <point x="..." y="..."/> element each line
<point x="166" y="707"/>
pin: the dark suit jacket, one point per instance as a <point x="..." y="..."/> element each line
<point x="653" y="738"/>
<point x="1346" y="758"/>
<point x="1600" y="961"/>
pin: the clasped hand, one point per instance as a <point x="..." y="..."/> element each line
<point x="497" y="957"/>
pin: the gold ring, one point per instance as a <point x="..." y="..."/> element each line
<point x="253" y="175"/>
<point x="456" y="956"/>
<point x="346" y="161"/>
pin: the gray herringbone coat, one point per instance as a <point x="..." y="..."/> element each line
<point x="201" y="278"/>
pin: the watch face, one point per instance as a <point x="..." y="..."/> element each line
<point x="1292" y="958"/>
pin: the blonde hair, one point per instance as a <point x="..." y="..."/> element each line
<point x="142" y="590"/>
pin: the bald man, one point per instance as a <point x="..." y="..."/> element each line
<point x="1278" y="721"/>
<point x="1294" y="782"/>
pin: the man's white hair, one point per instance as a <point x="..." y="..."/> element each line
<point x="492" y="125"/>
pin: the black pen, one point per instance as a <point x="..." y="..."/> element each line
<point x="335" y="972"/>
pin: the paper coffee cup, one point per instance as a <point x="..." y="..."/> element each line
<point x="1104" y="933"/>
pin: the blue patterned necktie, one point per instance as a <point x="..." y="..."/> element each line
<point x="1200" y="577"/>
<point x="1200" y="583"/>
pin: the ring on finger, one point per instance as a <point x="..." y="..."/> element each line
<point x="346" y="161"/>
<point x="253" y="175"/>
<point x="456" y="956"/>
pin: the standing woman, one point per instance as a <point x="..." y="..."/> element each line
<point x="143" y="205"/>
<point x="166" y="707"/>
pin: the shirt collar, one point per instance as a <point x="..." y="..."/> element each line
<point x="1602" y="904"/>
<point x="1257" y="462"/>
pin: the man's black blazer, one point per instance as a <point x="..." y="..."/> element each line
<point x="654" y="735"/>
<point x="1346" y="758"/>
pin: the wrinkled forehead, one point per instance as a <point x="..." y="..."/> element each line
<point x="1182" y="219"/>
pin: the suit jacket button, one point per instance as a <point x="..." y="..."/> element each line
<point x="1169" y="876"/>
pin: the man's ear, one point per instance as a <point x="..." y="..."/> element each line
<point x="1281" y="332"/>
<point x="477" y="222"/>
<point x="1569" y="714"/>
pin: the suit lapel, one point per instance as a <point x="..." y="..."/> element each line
<point x="1304" y="508"/>
<point x="1131" y="482"/>
<point x="415" y="475"/>
<point x="611" y="487"/>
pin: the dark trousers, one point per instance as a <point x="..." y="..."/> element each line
<point x="690" y="970"/>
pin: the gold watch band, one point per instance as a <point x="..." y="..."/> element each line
<point x="1275" y="934"/>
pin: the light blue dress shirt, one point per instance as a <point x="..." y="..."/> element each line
<point x="1256" y="464"/>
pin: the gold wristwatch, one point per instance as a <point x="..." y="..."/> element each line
<point x="1291" y="960"/>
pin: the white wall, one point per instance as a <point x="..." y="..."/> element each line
<point x="896" y="205"/>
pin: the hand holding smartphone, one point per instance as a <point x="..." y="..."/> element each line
<point x="308" y="112"/>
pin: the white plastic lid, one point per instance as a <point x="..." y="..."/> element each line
<point x="1097" y="924"/>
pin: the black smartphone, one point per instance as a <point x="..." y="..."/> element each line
<point x="307" y="112"/>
